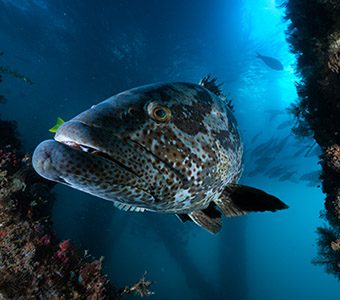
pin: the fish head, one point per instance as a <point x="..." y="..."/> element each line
<point x="160" y="147"/>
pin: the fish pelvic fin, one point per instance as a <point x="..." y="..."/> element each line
<point x="54" y="129"/>
<point x="209" y="218"/>
<point x="237" y="200"/>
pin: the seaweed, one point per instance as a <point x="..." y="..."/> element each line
<point x="314" y="37"/>
<point x="329" y="253"/>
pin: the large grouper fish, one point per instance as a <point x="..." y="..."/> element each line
<point x="165" y="147"/>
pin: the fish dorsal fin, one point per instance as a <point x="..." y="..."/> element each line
<point x="210" y="83"/>
<point x="127" y="207"/>
<point x="209" y="218"/>
<point x="238" y="200"/>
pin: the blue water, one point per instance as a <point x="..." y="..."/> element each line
<point x="78" y="53"/>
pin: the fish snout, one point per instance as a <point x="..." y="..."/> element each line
<point x="43" y="158"/>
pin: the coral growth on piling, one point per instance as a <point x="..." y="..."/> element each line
<point x="34" y="264"/>
<point x="314" y="35"/>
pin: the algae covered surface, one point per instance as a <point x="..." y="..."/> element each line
<point x="317" y="47"/>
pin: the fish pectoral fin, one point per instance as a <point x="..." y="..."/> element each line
<point x="209" y="218"/>
<point x="237" y="200"/>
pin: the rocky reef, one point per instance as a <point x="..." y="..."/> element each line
<point x="34" y="264"/>
<point x="314" y="36"/>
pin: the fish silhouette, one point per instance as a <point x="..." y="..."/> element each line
<point x="271" y="62"/>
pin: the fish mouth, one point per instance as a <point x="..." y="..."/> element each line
<point x="97" y="141"/>
<point x="80" y="167"/>
<point x="96" y="152"/>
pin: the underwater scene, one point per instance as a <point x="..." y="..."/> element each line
<point x="170" y="149"/>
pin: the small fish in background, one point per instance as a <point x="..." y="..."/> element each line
<point x="263" y="148"/>
<point x="312" y="179"/>
<point x="280" y="145"/>
<point x="281" y="3"/>
<point x="313" y="183"/>
<point x="255" y="137"/>
<point x="299" y="152"/>
<point x="275" y="172"/>
<point x="271" y="62"/>
<point x="313" y="176"/>
<point x="284" y="124"/>
<point x="253" y="173"/>
<point x="287" y="176"/>
<point x="274" y="113"/>
<point x="165" y="147"/>
<point x="315" y="152"/>
<point x="60" y="122"/>
<point x="264" y="161"/>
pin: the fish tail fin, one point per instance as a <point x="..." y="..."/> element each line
<point x="238" y="200"/>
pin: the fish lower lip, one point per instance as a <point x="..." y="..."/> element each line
<point x="93" y="151"/>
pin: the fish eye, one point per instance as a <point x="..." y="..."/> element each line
<point x="159" y="113"/>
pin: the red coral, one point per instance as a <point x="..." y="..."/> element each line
<point x="3" y="233"/>
<point x="65" y="245"/>
<point x="45" y="240"/>
<point x="64" y="249"/>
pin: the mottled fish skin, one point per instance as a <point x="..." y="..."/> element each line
<point x="116" y="151"/>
